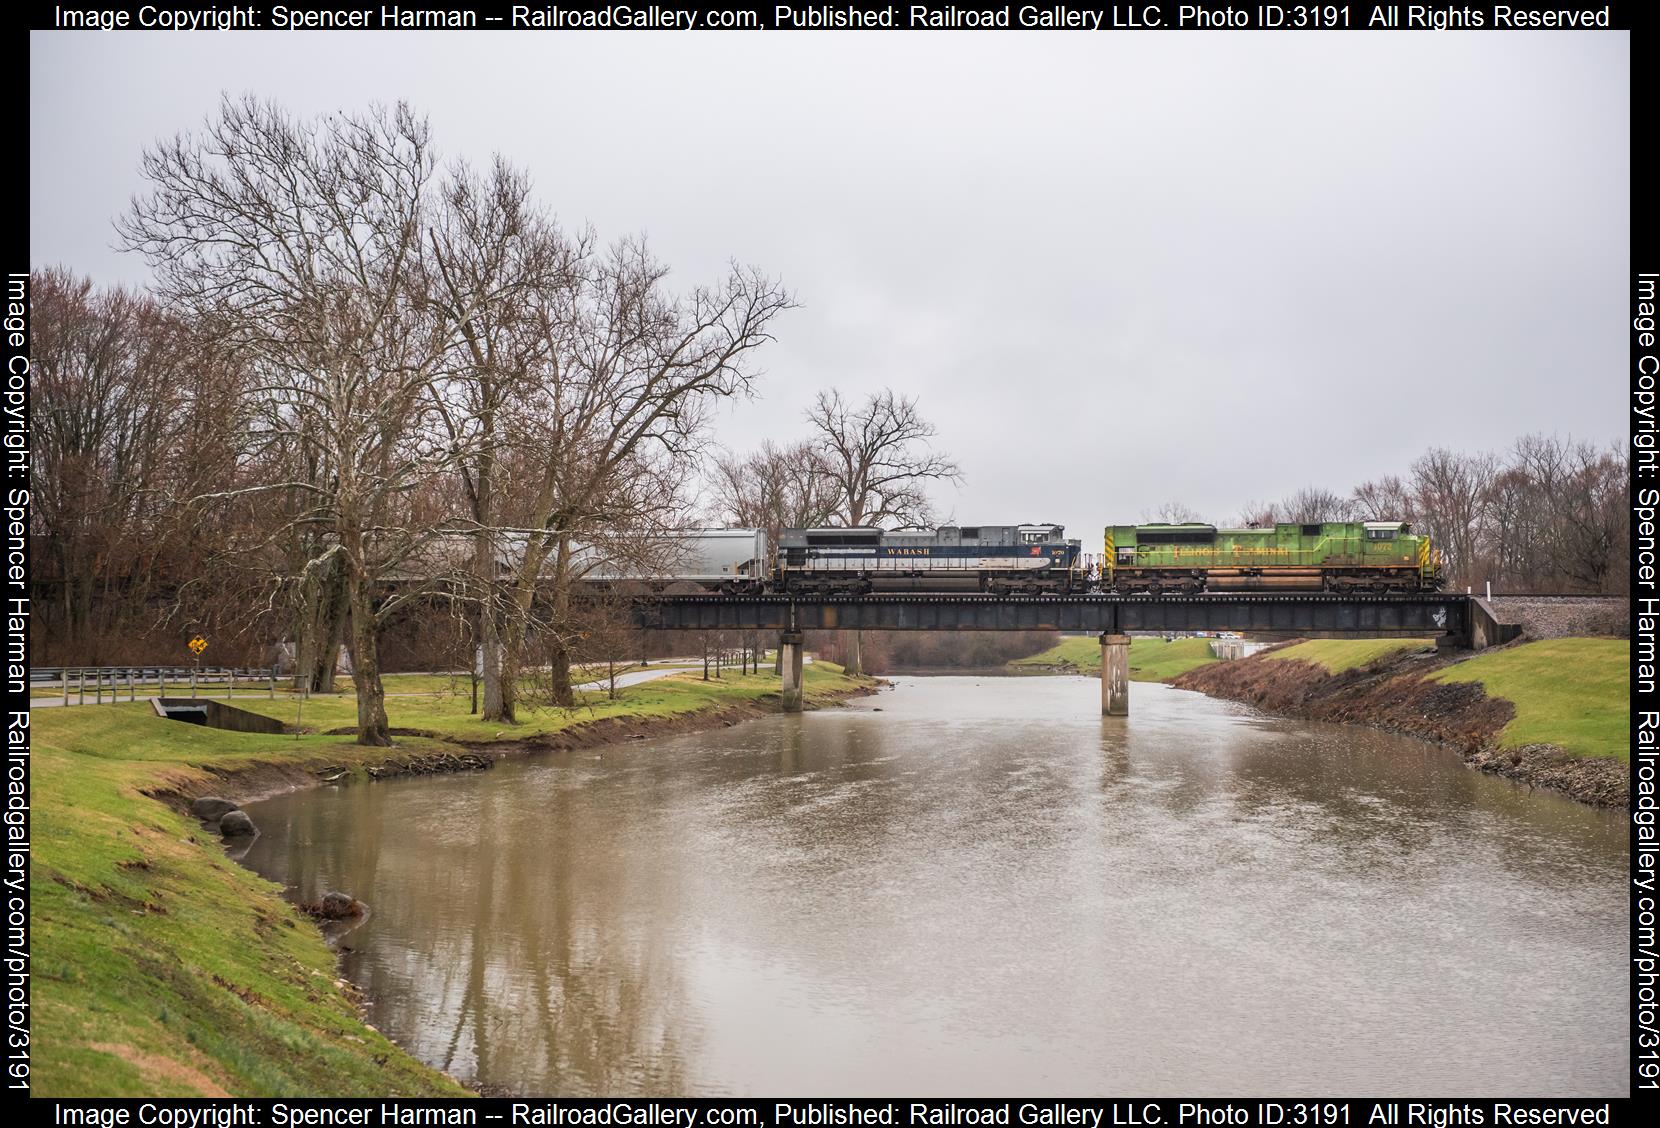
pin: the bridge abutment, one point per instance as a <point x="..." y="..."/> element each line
<point x="789" y="654"/>
<point x="1115" y="675"/>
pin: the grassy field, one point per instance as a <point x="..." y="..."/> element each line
<point x="1151" y="659"/>
<point x="1334" y="655"/>
<point x="1084" y="653"/>
<point x="1574" y="693"/>
<point x="446" y="714"/>
<point x="161" y="967"/>
<point x="393" y="683"/>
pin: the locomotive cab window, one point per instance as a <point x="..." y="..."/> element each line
<point x="1380" y="534"/>
<point x="1311" y="530"/>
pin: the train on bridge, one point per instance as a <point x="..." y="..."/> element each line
<point x="1379" y="557"/>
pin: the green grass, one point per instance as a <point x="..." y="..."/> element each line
<point x="1574" y="693"/>
<point x="162" y="968"/>
<point x="446" y="714"/>
<point x="1335" y="655"/>
<point x="1151" y="659"/>
<point x="1084" y="653"/>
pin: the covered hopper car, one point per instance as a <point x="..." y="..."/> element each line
<point x="1335" y="556"/>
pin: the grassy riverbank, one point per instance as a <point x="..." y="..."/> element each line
<point x="162" y="968"/>
<point x="1151" y="659"/>
<point x="1574" y="693"/>
<point x="1552" y="713"/>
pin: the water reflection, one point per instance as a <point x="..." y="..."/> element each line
<point x="985" y="888"/>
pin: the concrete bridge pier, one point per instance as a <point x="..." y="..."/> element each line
<point x="1115" y="675"/>
<point x="789" y="653"/>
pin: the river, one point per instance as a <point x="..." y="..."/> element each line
<point x="979" y="886"/>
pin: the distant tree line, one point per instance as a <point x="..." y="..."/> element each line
<point x="1549" y="514"/>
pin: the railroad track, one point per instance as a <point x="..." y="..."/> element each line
<point x="1555" y="598"/>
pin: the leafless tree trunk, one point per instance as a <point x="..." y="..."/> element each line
<point x="299" y="243"/>
<point x="493" y="258"/>
<point x="878" y="457"/>
<point x="617" y="411"/>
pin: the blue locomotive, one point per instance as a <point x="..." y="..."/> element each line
<point x="997" y="559"/>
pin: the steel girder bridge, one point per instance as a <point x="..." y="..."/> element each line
<point x="1273" y="615"/>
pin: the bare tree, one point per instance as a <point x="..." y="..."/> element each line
<point x="1172" y="513"/>
<point x="1382" y="499"/>
<point x="111" y="375"/>
<point x="775" y="488"/>
<point x="491" y="259"/>
<point x="615" y="416"/>
<point x="1258" y="515"/>
<point x="298" y="241"/>
<point x="1313" y="503"/>
<point x="879" y="458"/>
<point x="1449" y="494"/>
<point x="1564" y="500"/>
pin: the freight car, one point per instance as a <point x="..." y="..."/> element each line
<point x="1001" y="559"/>
<point x="732" y="561"/>
<point x="1340" y="556"/>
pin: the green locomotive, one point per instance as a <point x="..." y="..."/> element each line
<point x="1342" y="556"/>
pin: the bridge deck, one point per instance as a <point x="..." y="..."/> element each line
<point x="1310" y="613"/>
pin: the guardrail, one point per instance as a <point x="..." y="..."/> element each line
<point x="132" y="681"/>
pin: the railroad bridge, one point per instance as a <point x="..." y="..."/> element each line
<point x="1460" y="619"/>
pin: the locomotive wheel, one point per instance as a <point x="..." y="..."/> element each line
<point x="1155" y="589"/>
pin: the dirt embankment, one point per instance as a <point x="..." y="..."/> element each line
<point x="248" y="783"/>
<point x="1393" y="693"/>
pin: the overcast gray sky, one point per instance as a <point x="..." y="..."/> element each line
<point x="1116" y="269"/>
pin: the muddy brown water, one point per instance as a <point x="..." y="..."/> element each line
<point x="979" y="886"/>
